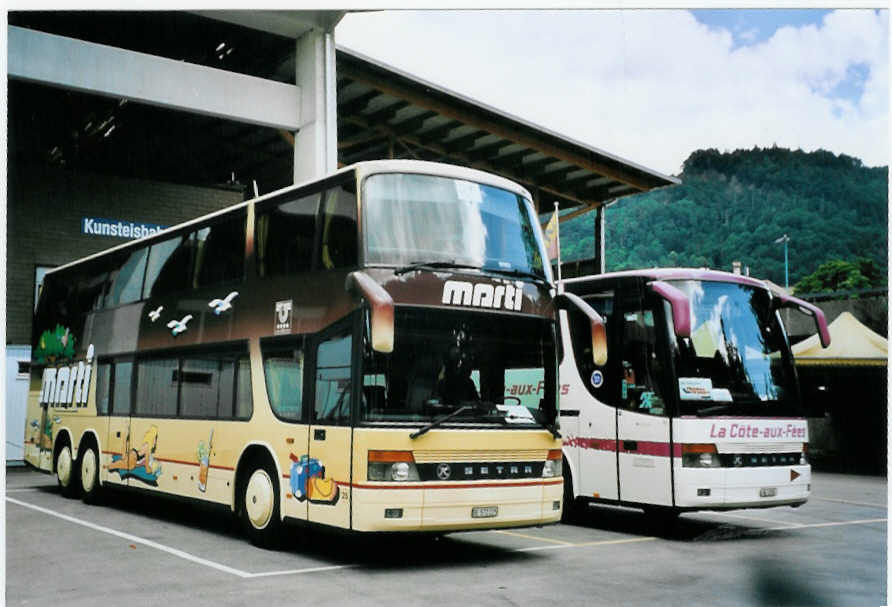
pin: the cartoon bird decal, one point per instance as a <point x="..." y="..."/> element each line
<point x="179" y="326"/>
<point x="155" y="314"/>
<point x="222" y="305"/>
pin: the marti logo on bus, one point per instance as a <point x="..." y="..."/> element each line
<point x="481" y="295"/>
<point x="68" y="386"/>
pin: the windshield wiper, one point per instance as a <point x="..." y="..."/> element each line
<point x="439" y="422"/>
<point x="519" y="274"/>
<point x="434" y="265"/>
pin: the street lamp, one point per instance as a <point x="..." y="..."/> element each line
<point x="785" y="239"/>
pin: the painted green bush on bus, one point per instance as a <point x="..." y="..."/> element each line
<point x="58" y="344"/>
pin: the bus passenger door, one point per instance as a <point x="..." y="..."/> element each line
<point x="589" y="423"/>
<point x="118" y="451"/>
<point x="327" y="470"/>
<point x="644" y="449"/>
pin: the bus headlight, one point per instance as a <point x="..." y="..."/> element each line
<point x="553" y="467"/>
<point x="392" y="466"/>
<point x="700" y="456"/>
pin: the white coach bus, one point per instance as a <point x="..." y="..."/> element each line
<point x="698" y="404"/>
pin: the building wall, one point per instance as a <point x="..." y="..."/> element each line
<point x="44" y="223"/>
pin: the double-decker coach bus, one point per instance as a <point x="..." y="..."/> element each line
<point x="335" y="352"/>
<point x="698" y="407"/>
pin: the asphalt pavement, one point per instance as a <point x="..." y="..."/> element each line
<point x="139" y="550"/>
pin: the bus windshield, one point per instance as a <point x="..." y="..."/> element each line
<point x="737" y="361"/>
<point x="498" y="369"/>
<point x="413" y="219"/>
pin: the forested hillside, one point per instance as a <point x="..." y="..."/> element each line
<point x="733" y="206"/>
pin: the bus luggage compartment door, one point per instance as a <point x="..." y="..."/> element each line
<point x="644" y="458"/>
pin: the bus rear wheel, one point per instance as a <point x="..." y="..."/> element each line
<point x="259" y="506"/>
<point x="89" y="473"/>
<point x="66" y="472"/>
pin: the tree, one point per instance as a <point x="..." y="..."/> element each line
<point x="839" y="275"/>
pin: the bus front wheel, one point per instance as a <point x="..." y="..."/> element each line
<point x="571" y="506"/>
<point x="259" y="506"/>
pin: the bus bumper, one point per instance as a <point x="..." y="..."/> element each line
<point x="442" y="508"/>
<point x="728" y="488"/>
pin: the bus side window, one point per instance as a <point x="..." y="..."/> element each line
<point x="90" y="291"/>
<point x="220" y="254"/>
<point x="283" y="369"/>
<point x="639" y="387"/>
<point x="121" y="379"/>
<point x="103" y="379"/>
<point x="206" y="388"/>
<point x="244" y="400"/>
<point x="339" y="244"/>
<point x="285" y="235"/>
<point x="597" y="379"/>
<point x="333" y="389"/>
<point x="157" y="387"/>
<point x="127" y="279"/>
<point x="170" y="266"/>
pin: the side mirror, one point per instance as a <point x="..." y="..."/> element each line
<point x="681" y="306"/>
<point x="565" y="301"/>
<point x="787" y="301"/>
<point x="381" y="304"/>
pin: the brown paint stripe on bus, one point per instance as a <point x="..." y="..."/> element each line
<point x="658" y="449"/>
<point x="175" y="461"/>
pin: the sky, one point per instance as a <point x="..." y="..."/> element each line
<point x="651" y="86"/>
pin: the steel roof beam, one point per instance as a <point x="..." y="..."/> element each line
<point x="497" y="127"/>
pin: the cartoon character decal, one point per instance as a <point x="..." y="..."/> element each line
<point x="139" y="463"/>
<point x="308" y="481"/>
<point x="204" y="461"/>
<point x="55" y="346"/>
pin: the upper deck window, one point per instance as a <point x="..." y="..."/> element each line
<point x="412" y="218"/>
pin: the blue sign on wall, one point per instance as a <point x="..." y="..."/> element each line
<point x="97" y="226"/>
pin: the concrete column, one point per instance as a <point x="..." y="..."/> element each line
<point x="315" y="143"/>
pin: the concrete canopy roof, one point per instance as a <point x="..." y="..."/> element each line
<point x="382" y="113"/>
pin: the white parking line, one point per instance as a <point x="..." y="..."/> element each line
<point x="754" y="518"/>
<point x="834" y="524"/>
<point x="849" y="502"/>
<point x="630" y="540"/>
<point x="173" y="551"/>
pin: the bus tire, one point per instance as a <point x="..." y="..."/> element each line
<point x="259" y="505"/>
<point x="89" y="474"/>
<point x="66" y="471"/>
<point x="570" y="512"/>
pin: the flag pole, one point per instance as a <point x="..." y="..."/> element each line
<point x="558" y="237"/>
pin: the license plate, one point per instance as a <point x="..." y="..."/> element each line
<point x="484" y="511"/>
<point x="768" y="492"/>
